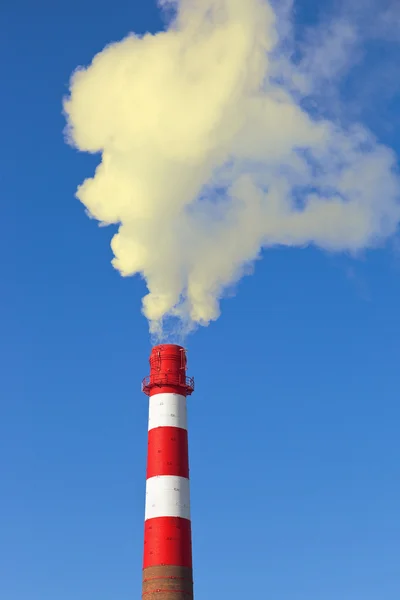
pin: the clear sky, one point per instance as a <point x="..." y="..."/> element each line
<point x="294" y="442"/>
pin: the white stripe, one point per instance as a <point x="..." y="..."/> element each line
<point x="167" y="496"/>
<point x="167" y="410"/>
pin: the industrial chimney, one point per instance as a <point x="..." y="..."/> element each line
<point x="167" y="560"/>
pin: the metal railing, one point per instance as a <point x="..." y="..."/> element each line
<point x="166" y="379"/>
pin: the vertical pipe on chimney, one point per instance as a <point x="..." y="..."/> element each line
<point x="167" y="560"/>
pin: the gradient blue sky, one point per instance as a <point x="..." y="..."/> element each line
<point x="294" y="425"/>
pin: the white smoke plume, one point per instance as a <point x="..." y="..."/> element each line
<point x="209" y="156"/>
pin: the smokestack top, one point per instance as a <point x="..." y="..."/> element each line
<point x="168" y="371"/>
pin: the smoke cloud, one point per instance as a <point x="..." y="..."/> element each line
<point x="210" y="154"/>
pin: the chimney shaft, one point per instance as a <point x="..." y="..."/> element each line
<point x="167" y="560"/>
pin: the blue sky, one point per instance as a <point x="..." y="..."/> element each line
<point x="294" y="424"/>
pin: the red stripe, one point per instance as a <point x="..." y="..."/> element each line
<point x="161" y="591"/>
<point x="167" y="541"/>
<point x="170" y="577"/>
<point x="168" y="389"/>
<point x="167" y="452"/>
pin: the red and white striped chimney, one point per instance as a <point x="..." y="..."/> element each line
<point x="167" y="561"/>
